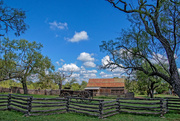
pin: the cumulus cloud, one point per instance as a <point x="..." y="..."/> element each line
<point x="69" y="67"/>
<point x="78" y="36"/>
<point x="75" y="75"/>
<point x="104" y="75"/>
<point x="112" y="68"/>
<point x="89" y="64"/>
<point x="158" y="58"/>
<point x="105" y="60"/>
<point x="179" y="70"/>
<point x="91" y="71"/>
<point x="87" y="76"/>
<point x="85" y="57"/>
<point x="58" y="25"/>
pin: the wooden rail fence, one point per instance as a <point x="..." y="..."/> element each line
<point x="3" y="102"/>
<point x="143" y="106"/>
<point x="46" y="106"/>
<point x="173" y="104"/>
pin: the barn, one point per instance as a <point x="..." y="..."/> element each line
<point x="109" y="86"/>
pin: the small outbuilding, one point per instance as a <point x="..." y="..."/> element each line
<point x="110" y="86"/>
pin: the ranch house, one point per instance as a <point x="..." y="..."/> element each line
<point x="111" y="86"/>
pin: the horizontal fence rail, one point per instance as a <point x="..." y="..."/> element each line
<point x="143" y="106"/>
<point x="173" y="104"/>
<point x="3" y="102"/>
<point x="110" y="108"/>
<point x="47" y="106"/>
<point x="85" y="106"/>
<point x="19" y="103"/>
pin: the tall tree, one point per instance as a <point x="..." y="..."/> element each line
<point x="154" y="38"/>
<point x="24" y="59"/>
<point x="10" y="19"/>
<point x="149" y="84"/>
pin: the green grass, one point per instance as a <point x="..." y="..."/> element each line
<point x="17" y="116"/>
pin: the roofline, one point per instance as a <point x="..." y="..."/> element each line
<point x="107" y="78"/>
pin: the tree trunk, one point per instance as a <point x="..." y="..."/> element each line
<point x="24" y="86"/>
<point x="176" y="86"/>
<point x="151" y="93"/>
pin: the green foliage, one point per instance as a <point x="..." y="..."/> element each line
<point x="83" y="85"/>
<point x="20" y="59"/>
<point x="9" y="84"/>
<point x="75" y="86"/>
<point x="153" y="38"/>
<point x="12" y="19"/>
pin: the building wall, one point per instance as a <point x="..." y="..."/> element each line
<point x="109" y="91"/>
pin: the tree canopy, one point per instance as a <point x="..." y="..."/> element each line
<point x="153" y="38"/>
<point x="12" y="19"/>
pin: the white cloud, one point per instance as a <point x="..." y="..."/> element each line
<point x="54" y="25"/>
<point x="92" y="71"/>
<point x="117" y="75"/>
<point x="85" y="57"/>
<point x="75" y="75"/>
<point x="62" y="60"/>
<point x="104" y="75"/>
<point x="105" y="60"/>
<point x="69" y="67"/>
<point x="158" y="58"/>
<point x="179" y="70"/>
<point x="112" y="68"/>
<point x="89" y="64"/>
<point x="57" y="63"/>
<point x="87" y="76"/>
<point x="79" y="36"/>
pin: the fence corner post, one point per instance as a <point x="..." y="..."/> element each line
<point x="101" y="104"/>
<point x="9" y="102"/>
<point x="118" y="108"/>
<point x="29" y="102"/>
<point x="67" y="104"/>
<point x="163" y="105"/>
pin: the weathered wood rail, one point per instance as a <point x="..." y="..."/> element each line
<point x="3" y="102"/>
<point x="173" y="104"/>
<point x="19" y="103"/>
<point x="110" y="108"/>
<point x="152" y="106"/>
<point x="85" y="106"/>
<point x="46" y="106"/>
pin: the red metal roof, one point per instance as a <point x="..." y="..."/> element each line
<point x="113" y="82"/>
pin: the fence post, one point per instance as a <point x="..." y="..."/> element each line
<point x="163" y="107"/>
<point x="9" y="102"/>
<point x="101" y="104"/>
<point x="29" y="102"/>
<point x="118" y="108"/>
<point x="67" y="104"/>
<point x="167" y="105"/>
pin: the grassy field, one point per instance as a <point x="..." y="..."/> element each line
<point x="17" y="116"/>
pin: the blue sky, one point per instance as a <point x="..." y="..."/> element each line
<point x="71" y="32"/>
